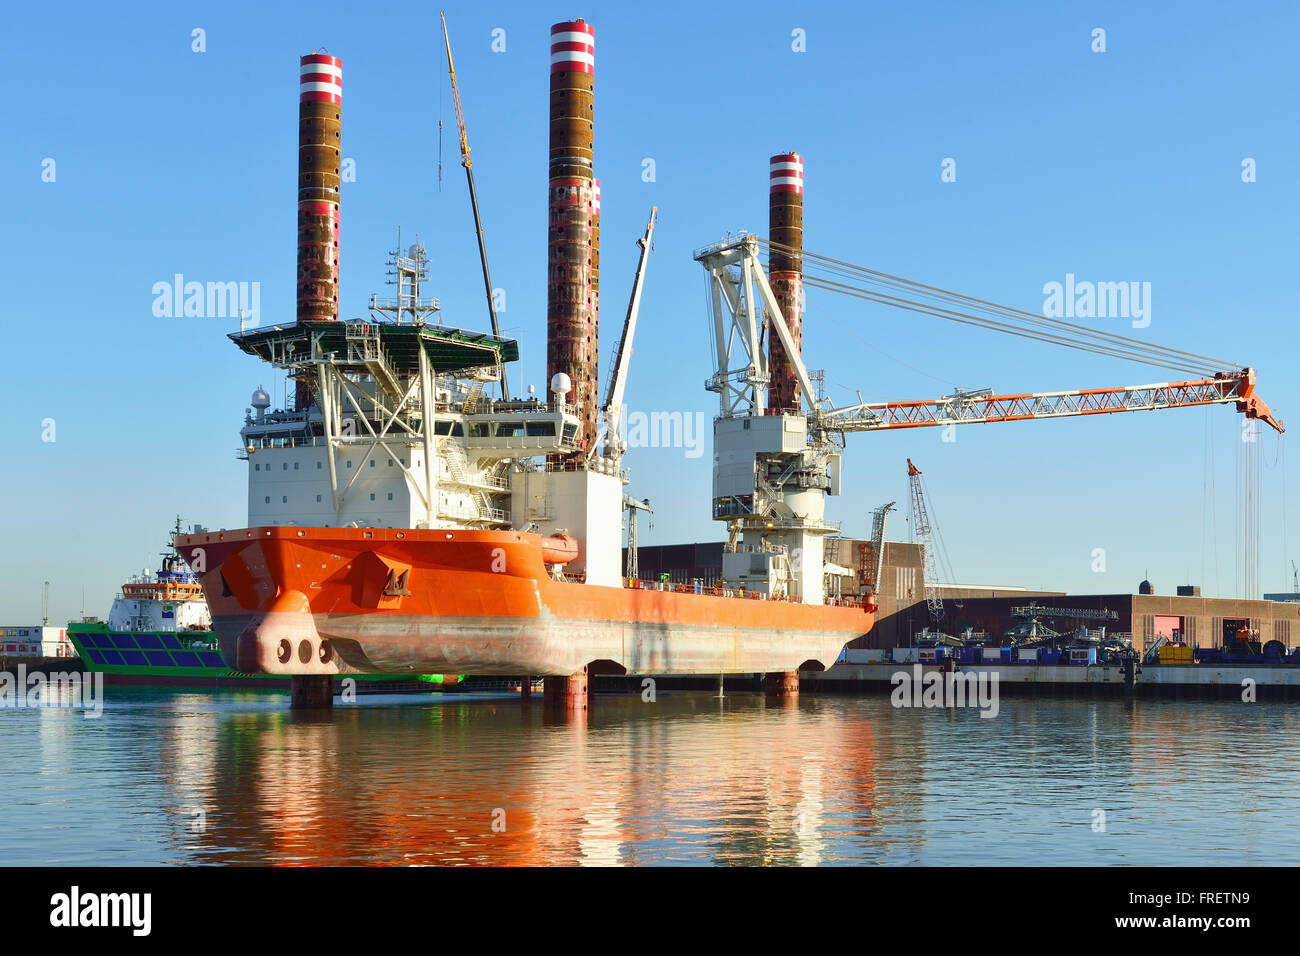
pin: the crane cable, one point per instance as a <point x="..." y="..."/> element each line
<point x="826" y="270"/>
<point x="981" y="322"/>
<point x="839" y="267"/>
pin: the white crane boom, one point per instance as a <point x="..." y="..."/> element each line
<point x="615" y="443"/>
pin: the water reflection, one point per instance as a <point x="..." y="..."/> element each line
<point x="685" y="780"/>
<point x="237" y="778"/>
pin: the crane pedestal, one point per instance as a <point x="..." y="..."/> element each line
<point x="781" y="685"/>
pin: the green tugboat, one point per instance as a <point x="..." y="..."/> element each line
<point x="159" y="632"/>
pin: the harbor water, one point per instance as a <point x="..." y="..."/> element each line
<point x="179" y="777"/>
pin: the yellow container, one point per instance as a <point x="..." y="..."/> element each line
<point x="1174" y="654"/>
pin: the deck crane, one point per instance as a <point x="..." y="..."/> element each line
<point x="615" y="440"/>
<point x="632" y="506"/>
<point x="772" y="470"/>
<point x="739" y="286"/>
<point x="929" y="549"/>
<point x="871" y="564"/>
<point x="468" y="163"/>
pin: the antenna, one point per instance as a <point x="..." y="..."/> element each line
<point x="468" y="163"/>
<point x="399" y="245"/>
<point x="45" y="604"/>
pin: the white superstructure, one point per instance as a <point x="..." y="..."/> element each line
<point x="402" y="434"/>
<point x="167" y="600"/>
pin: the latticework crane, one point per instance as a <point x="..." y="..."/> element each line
<point x="871" y="562"/>
<point x="778" y="500"/>
<point x="926" y="539"/>
<point x="632" y="506"/>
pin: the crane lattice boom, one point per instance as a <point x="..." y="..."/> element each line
<point x="975" y="407"/>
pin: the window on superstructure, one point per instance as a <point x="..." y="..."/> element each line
<point x="349" y="463"/>
<point x="284" y="499"/>
<point x="285" y="466"/>
<point x="318" y="465"/>
<point x="372" y="463"/>
<point x="268" y="499"/>
<point x="318" y="499"/>
<point x="295" y="466"/>
<point x="257" y="468"/>
<point x="390" y="496"/>
<point x="372" y="496"/>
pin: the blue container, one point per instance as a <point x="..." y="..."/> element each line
<point x="1049" y="655"/>
<point x="1006" y="654"/>
<point x="969" y="655"/>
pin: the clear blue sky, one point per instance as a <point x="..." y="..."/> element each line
<point x="1115" y="166"/>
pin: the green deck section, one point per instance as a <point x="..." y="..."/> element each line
<point x="449" y="349"/>
<point x="175" y="654"/>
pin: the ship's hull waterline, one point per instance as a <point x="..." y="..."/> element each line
<point x="289" y="600"/>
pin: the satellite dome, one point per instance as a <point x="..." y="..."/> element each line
<point x="561" y="383"/>
<point x="261" y="399"/>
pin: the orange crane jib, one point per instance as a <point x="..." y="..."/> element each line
<point x="1224" y="388"/>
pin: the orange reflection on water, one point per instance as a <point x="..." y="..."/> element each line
<point x="687" y="779"/>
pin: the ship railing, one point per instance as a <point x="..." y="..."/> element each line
<point x="758" y="549"/>
<point x="569" y="464"/>
<point x="679" y="588"/>
<point x="729" y="592"/>
<point x="405" y="302"/>
<point x="762" y="413"/>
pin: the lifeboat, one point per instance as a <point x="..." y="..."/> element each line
<point x="559" y="549"/>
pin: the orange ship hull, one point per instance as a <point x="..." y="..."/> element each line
<point x="287" y="600"/>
